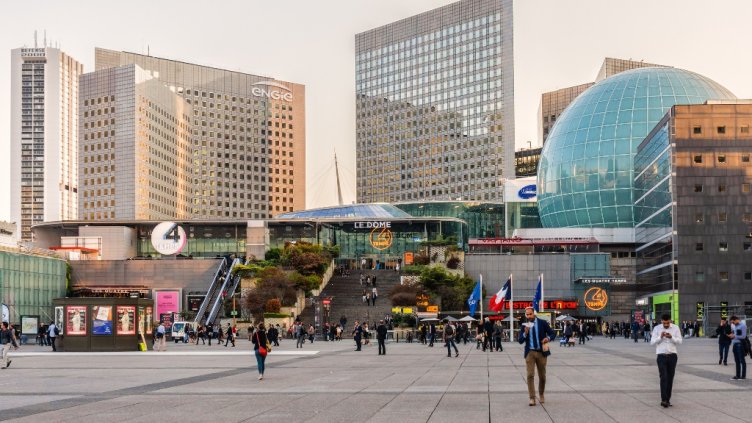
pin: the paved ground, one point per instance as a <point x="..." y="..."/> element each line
<point x="604" y="381"/>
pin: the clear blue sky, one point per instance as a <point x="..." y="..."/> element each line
<point x="557" y="44"/>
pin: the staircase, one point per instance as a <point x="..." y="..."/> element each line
<point x="346" y="294"/>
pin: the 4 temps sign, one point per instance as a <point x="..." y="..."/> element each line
<point x="168" y="238"/>
<point x="273" y="90"/>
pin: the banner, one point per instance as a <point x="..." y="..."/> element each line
<point x="102" y="322"/>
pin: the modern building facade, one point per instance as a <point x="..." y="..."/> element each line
<point x="29" y="282"/>
<point x="553" y="103"/>
<point x="435" y="105"/>
<point x="693" y="212"/>
<point x="44" y="136"/>
<point x="248" y="136"/>
<point x="526" y="162"/>
<point x="134" y="147"/>
<point x="586" y="170"/>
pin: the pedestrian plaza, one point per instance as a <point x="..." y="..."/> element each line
<point x="606" y="380"/>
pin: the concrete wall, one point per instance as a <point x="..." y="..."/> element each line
<point x="118" y="242"/>
<point x="188" y="275"/>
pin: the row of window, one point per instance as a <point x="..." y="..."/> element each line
<point x="720" y="158"/>
<point x="723" y="247"/>
<point x="723" y="276"/>
<point x="723" y="217"/>
<point x="719" y="130"/>
<point x="745" y="188"/>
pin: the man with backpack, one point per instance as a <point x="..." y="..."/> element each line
<point x="52" y="333"/>
<point x="449" y="331"/>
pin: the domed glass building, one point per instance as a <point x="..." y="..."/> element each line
<point x="586" y="167"/>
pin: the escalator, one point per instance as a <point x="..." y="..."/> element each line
<point x="212" y="292"/>
<point x="230" y="281"/>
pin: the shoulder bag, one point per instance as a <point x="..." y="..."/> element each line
<point x="261" y="349"/>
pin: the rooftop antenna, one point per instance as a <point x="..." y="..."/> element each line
<point x="35" y="38"/>
<point x="148" y="50"/>
<point x="339" y="188"/>
<point x="45" y="38"/>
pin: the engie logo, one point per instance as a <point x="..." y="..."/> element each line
<point x="272" y="90"/>
<point x="527" y="192"/>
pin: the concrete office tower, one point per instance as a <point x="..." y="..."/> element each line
<point x="44" y="137"/>
<point x="553" y="103"/>
<point x="248" y="140"/>
<point x="435" y="105"/>
<point x="135" y="147"/>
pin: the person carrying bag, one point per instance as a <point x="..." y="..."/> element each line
<point x="261" y="348"/>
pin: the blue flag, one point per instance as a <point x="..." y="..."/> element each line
<point x="474" y="299"/>
<point x="537" y="297"/>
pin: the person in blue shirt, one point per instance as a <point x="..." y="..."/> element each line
<point x="739" y="332"/>
<point x="536" y="335"/>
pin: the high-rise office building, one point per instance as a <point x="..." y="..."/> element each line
<point x="134" y="147"/>
<point x="248" y="136"/>
<point x="553" y="103"/>
<point x="435" y="104"/>
<point x="44" y="132"/>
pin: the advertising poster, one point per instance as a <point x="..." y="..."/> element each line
<point x="126" y="320"/>
<point x="60" y="319"/>
<point x="149" y="319"/>
<point x="6" y="314"/>
<point x="75" y="320"/>
<point x="141" y="322"/>
<point x="29" y="325"/>
<point x="102" y="324"/>
<point x="166" y="319"/>
<point x="167" y="302"/>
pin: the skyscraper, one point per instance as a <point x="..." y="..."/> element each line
<point x="248" y="136"/>
<point x="435" y="104"/>
<point x="44" y="137"/>
<point x="134" y="147"/>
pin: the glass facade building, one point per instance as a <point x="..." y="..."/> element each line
<point x="435" y="105"/>
<point x="485" y="220"/>
<point x="586" y="172"/>
<point x="28" y="283"/>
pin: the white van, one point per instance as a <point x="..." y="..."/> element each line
<point x="181" y="331"/>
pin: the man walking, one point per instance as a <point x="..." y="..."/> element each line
<point x="300" y="334"/>
<point x="536" y="335"/>
<point x="357" y="335"/>
<point x="723" y="332"/>
<point x="582" y="332"/>
<point x="7" y="340"/>
<point x="381" y="337"/>
<point x="488" y="330"/>
<point x="432" y="334"/>
<point x="52" y="333"/>
<point x="739" y="330"/>
<point x="666" y="337"/>
<point x="449" y="332"/>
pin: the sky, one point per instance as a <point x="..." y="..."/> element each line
<point x="557" y="44"/>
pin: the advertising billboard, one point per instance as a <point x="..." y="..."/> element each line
<point x="102" y="322"/>
<point x="75" y="320"/>
<point x="167" y="302"/>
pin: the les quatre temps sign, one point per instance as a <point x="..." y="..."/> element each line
<point x="381" y="236"/>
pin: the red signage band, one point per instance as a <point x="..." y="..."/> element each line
<point x="553" y="304"/>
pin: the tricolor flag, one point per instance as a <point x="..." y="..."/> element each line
<point x="505" y="293"/>
<point x="538" y="295"/>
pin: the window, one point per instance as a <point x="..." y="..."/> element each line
<point x="745" y="158"/>
<point x="721" y="158"/>
<point x="697" y="158"/>
<point x="699" y="276"/>
<point x="698" y="188"/>
<point x="721" y="130"/>
<point x="721" y="188"/>
<point x="723" y="276"/>
<point x="747" y="246"/>
<point x="746" y="188"/>
<point x="723" y="247"/>
<point x="748" y="276"/>
<point x="699" y="246"/>
<point x="697" y="130"/>
<point x="722" y="217"/>
<point x="699" y="217"/>
<point x="744" y="129"/>
<point x="747" y="217"/>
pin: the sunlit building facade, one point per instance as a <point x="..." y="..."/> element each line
<point x="435" y="105"/>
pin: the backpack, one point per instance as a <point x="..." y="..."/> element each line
<point x="57" y="331"/>
<point x="449" y="330"/>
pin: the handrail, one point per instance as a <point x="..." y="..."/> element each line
<point x="231" y="274"/>
<point x="210" y="291"/>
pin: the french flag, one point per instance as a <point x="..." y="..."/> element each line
<point x="505" y="293"/>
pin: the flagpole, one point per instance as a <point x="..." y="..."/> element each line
<point x="511" y="307"/>
<point x="480" y="281"/>
<point x="543" y="292"/>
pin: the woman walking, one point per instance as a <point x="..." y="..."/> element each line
<point x="259" y="341"/>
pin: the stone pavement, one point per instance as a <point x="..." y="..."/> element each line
<point x="604" y="381"/>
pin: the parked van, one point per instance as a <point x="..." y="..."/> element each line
<point x="181" y="331"/>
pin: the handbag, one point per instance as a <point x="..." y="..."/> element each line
<point x="262" y="351"/>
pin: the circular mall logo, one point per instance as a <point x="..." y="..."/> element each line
<point x="381" y="238"/>
<point x="596" y="298"/>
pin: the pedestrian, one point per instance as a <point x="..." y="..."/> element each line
<point x="201" y="335"/>
<point x="449" y="331"/>
<point x="374" y="295"/>
<point x="381" y="337"/>
<point x="259" y="341"/>
<point x="635" y="329"/>
<point x="432" y="334"/>
<point x="739" y="330"/>
<point x="210" y="332"/>
<point x="497" y="337"/>
<point x="161" y="343"/>
<point x="357" y="335"/>
<point x="300" y="334"/>
<point x="666" y="337"/>
<point x="339" y="333"/>
<point x="582" y="332"/>
<point x="646" y="331"/>
<point x="7" y="340"/>
<point x="230" y="336"/>
<point x="568" y="332"/>
<point x="536" y="336"/>
<point x="250" y="331"/>
<point x="488" y="330"/>
<point x="723" y="332"/>
<point x="52" y="333"/>
<point x="311" y="333"/>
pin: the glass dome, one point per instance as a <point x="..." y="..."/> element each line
<point x="586" y="167"/>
